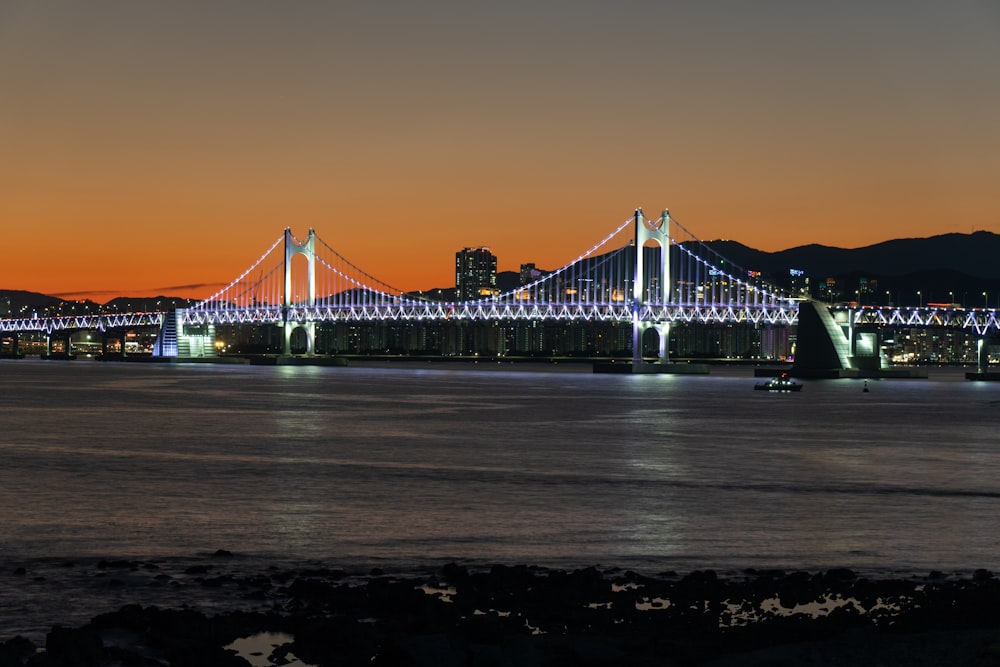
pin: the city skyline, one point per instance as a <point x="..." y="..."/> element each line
<point x="155" y="145"/>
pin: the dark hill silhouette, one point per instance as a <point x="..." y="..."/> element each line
<point x="147" y="304"/>
<point x="975" y="255"/>
<point x="22" y="302"/>
<point x="948" y="268"/>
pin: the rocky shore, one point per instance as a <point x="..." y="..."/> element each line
<point x="523" y="615"/>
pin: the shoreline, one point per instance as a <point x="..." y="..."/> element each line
<point x="520" y="614"/>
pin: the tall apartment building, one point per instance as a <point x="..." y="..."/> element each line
<point x="475" y="273"/>
<point x="530" y="273"/>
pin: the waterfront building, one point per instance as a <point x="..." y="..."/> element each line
<point x="799" y="282"/>
<point x="475" y="273"/>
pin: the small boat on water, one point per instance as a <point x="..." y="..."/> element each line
<point x="779" y="383"/>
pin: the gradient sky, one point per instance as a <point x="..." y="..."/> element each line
<point x="160" y="147"/>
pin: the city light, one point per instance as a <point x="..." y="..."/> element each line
<point x="597" y="288"/>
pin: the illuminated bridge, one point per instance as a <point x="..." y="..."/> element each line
<point x="647" y="273"/>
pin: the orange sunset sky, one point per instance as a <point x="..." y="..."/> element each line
<point x="160" y="147"/>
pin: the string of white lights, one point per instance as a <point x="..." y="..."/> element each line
<point x="559" y="271"/>
<point x="215" y="297"/>
<point x="388" y="288"/>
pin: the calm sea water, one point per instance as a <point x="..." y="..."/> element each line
<point x="412" y="466"/>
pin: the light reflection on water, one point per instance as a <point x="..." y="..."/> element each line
<point x="406" y="467"/>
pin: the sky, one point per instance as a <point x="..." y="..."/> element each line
<point x="152" y="148"/>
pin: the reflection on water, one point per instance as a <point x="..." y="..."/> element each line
<point x="405" y="467"/>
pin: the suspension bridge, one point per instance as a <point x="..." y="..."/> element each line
<point x="650" y="273"/>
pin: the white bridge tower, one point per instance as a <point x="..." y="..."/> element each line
<point x="646" y="230"/>
<point x="307" y="248"/>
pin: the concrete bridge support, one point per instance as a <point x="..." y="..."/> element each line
<point x="822" y="348"/>
<point x="866" y="349"/>
<point x="309" y="328"/>
<point x="663" y="329"/>
<point x="983" y="372"/>
<point x="983" y="346"/>
<point x="106" y="338"/>
<point x="663" y="340"/>
<point x="51" y="339"/>
<point x="828" y="348"/>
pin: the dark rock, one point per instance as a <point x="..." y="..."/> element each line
<point x="454" y="573"/>
<point x="80" y="647"/>
<point x="217" y="582"/>
<point x="839" y="576"/>
<point x="532" y="616"/>
<point x="14" y="652"/>
<point x="211" y="656"/>
<point x="312" y="591"/>
<point x="118" y="564"/>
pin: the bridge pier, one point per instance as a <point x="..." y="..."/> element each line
<point x="662" y="344"/>
<point x="983" y="372"/>
<point x="309" y="328"/>
<point x="831" y="348"/>
<point x="67" y="352"/>
<point x="106" y="338"/>
<point x="866" y="349"/>
<point x="983" y="355"/>
<point x="663" y="330"/>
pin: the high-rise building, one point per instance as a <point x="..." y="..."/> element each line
<point x="529" y="273"/>
<point x="475" y="273"/>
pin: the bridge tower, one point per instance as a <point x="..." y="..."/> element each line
<point x="307" y="248"/>
<point x="646" y="230"/>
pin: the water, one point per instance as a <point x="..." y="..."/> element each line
<point x="414" y="465"/>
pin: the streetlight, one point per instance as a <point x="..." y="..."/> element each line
<point x="951" y="298"/>
<point x="920" y="299"/>
<point x="986" y="300"/>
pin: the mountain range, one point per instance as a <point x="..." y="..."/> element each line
<point x="975" y="255"/>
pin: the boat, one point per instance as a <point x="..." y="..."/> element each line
<point x="779" y="383"/>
